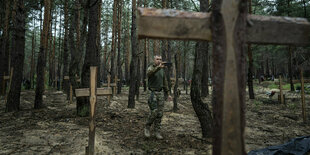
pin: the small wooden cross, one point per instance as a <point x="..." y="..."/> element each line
<point x="113" y="85"/>
<point x="92" y="92"/>
<point x="6" y="78"/>
<point x="71" y="91"/>
<point x="231" y="28"/>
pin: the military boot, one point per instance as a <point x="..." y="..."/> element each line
<point x="147" y="132"/>
<point x="158" y="136"/>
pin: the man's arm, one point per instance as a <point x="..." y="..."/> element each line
<point x="151" y="70"/>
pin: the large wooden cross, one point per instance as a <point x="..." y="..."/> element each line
<point x="92" y="92"/>
<point x="229" y="28"/>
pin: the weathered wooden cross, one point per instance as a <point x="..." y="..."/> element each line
<point x="71" y="91"/>
<point x="229" y="28"/>
<point x="113" y="85"/>
<point x="92" y="92"/>
<point x="6" y="78"/>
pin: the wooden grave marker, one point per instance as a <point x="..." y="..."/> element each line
<point x="6" y="78"/>
<point x="92" y="92"/>
<point x="113" y="85"/>
<point x="71" y="91"/>
<point x="230" y="90"/>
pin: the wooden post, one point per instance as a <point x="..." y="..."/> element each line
<point x="70" y="93"/>
<point x="109" y="82"/>
<point x="92" y="100"/>
<point x="114" y="89"/>
<point x="9" y="87"/>
<point x="3" y="85"/>
<point x="303" y="104"/>
<point x="281" y="91"/>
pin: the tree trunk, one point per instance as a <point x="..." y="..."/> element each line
<point x="4" y="51"/>
<point x="38" y="103"/>
<point x="90" y="57"/>
<point x="113" y="52"/>
<point x="250" y="69"/>
<point x="201" y="109"/>
<point x="228" y="78"/>
<point x="105" y="51"/>
<point x="18" y="54"/>
<point x="74" y="43"/>
<point x="133" y="63"/>
<point x="119" y="63"/>
<point x="138" y="76"/>
<point x="184" y="65"/>
<point x="32" y="63"/>
<point x="204" y="5"/>
<point x="176" y="84"/>
<point x="59" y="54"/>
<point x="65" y="71"/>
<point x="127" y="60"/>
<point x="145" y="65"/>
<point x="98" y="42"/>
<point x="290" y="68"/>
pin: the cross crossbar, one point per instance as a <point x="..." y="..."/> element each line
<point x="183" y="25"/>
<point x="82" y="92"/>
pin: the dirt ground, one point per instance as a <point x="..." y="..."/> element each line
<point x="57" y="130"/>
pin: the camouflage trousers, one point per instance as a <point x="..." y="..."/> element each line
<point x="156" y="104"/>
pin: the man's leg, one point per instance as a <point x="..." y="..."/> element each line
<point x="152" y="115"/>
<point x="159" y="114"/>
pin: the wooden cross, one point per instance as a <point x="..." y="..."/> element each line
<point x="231" y="28"/>
<point x="92" y="92"/>
<point x="5" y="78"/>
<point x="71" y="91"/>
<point x="113" y="85"/>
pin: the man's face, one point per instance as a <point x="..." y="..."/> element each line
<point x="157" y="60"/>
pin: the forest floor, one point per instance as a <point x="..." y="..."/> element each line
<point x="57" y="130"/>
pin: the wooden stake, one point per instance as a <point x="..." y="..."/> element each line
<point x="304" y="115"/>
<point x="92" y="100"/>
<point x="70" y="93"/>
<point x="109" y="81"/>
<point x="281" y="91"/>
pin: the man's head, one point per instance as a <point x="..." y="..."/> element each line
<point x="157" y="60"/>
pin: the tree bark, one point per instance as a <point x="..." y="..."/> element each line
<point x="119" y="63"/>
<point x="90" y="56"/>
<point x="228" y="78"/>
<point x="133" y="63"/>
<point x="65" y="71"/>
<point x="290" y="68"/>
<point x="113" y="52"/>
<point x="4" y="51"/>
<point x="176" y="84"/>
<point x="38" y="103"/>
<point x="18" y="54"/>
<point x="250" y="69"/>
<point x="204" y="5"/>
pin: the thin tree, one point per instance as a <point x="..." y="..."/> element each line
<point x="250" y="59"/>
<point x="113" y="52"/>
<point x="204" y="5"/>
<point x="119" y="63"/>
<point x="38" y="103"/>
<point x="4" y="51"/>
<point x="133" y="63"/>
<point x="18" y="54"/>
<point x="65" y="71"/>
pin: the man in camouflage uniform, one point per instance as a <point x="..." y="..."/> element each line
<point x="156" y="84"/>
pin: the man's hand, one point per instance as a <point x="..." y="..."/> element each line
<point x="169" y="98"/>
<point x="161" y="65"/>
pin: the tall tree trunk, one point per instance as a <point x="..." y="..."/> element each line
<point x="90" y="55"/>
<point x="202" y="110"/>
<point x="119" y="63"/>
<point x="204" y="5"/>
<point x="18" y="54"/>
<point x="4" y="51"/>
<point x="290" y="68"/>
<point x="250" y="69"/>
<point x="74" y="43"/>
<point x="105" y="51"/>
<point x="138" y="76"/>
<point x="113" y="52"/>
<point x="65" y="71"/>
<point x="38" y="103"/>
<point x="228" y="78"/>
<point x="59" y="54"/>
<point x="145" y="65"/>
<point x="98" y="42"/>
<point x="127" y="60"/>
<point x="176" y="84"/>
<point x="133" y="63"/>
<point x="184" y="65"/>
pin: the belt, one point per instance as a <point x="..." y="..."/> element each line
<point x="154" y="89"/>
